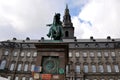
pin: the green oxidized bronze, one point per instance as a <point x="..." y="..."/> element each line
<point x="56" y="31"/>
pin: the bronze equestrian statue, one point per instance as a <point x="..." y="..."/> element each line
<point x="56" y="31"/>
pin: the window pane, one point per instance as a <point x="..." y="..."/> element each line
<point x="67" y="68"/>
<point x="23" y="78"/>
<point x="26" y="67"/>
<point x="15" y="54"/>
<point x="12" y="67"/>
<point x="22" y="54"/>
<point x="101" y="68"/>
<point x="28" y="54"/>
<point x="106" y="54"/>
<point x="2" y="65"/>
<point x="6" y="52"/>
<point x="93" y="68"/>
<point x="70" y="54"/>
<point x="116" y="68"/>
<point x="9" y="77"/>
<point x="91" y="54"/>
<point x="16" y="78"/>
<point x="35" y="54"/>
<point x="108" y="68"/>
<point x="84" y="54"/>
<point x="85" y="68"/>
<point x="77" y="54"/>
<point x="99" y="54"/>
<point x="113" y="54"/>
<point x="32" y="67"/>
<point x="77" y="68"/>
<point x="19" y="67"/>
<point x="30" y="78"/>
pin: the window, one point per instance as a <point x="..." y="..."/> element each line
<point x="23" y="78"/>
<point x="108" y="68"/>
<point x="101" y="68"/>
<point x="70" y="54"/>
<point x="99" y="54"/>
<point x="110" y="79"/>
<point x="94" y="79"/>
<point x="66" y="34"/>
<point x="84" y="54"/>
<point x="2" y="65"/>
<point x="32" y="67"/>
<point x="22" y="54"/>
<point x="93" y="68"/>
<point x="15" y="54"/>
<point x="113" y="54"/>
<point x="102" y="79"/>
<point x="35" y="54"/>
<point x="16" y="78"/>
<point x="26" y="67"/>
<point x="116" y="68"/>
<point x="86" y="79"/>
<point x="6" y="52"/>
<point x="77" y="68"/>
<point x="12" y="67"/>
<point x="19" y="67"/>
<point x="77" y="54"/>
<point x="106" y="54"/>
<point x="91" y="54"/>
<point x="85" y="68"/>
<point x="67" y="68"/>
<point x="28" y="54"/>
<point x="9" y="77"/>
<point x="30" y="78"/>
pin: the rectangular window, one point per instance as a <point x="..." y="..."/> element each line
<point x="77" y="68"/>
<point x="84" y="54"/>
<point x="99" y="54"/>
<point x="91" y="54"/>
<point x="77" y="54"/>
<point x="116" y="68"/>
<point x="70" y="54"/>
<point x="108" y="68"/>
<point x="113" y="54"/>
<point x="106" y="54"/>
<point x="22" y="54"/>
<point x="15" y="53"/>
<point x="86" y="68"/>
<point x="93" y="68"/>
<point x="101" y="68"/>
<point x="35" y="54"/>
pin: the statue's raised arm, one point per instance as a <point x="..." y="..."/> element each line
<point x="56" y="31"/>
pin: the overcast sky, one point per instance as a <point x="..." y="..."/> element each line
<point x="28" y="18"/>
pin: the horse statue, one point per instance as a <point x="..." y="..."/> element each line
<point x="56" y="31"/>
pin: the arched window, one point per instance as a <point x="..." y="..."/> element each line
<point x="19" y="67"/>
<point x="66" y="34"/>
<point x="26" y="67"/>
<point x="32" y="67"/>
<point x="15" y="53"/>
<point x="2" y="65"/>
<point x="12" y="67"/>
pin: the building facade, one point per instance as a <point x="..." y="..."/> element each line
<point x="80" y="59"/>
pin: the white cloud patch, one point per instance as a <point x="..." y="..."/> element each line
<point x="104" y="17"/>
<point x="28" y="17"/>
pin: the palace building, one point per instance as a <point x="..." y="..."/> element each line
<point x="67" y="59"/>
